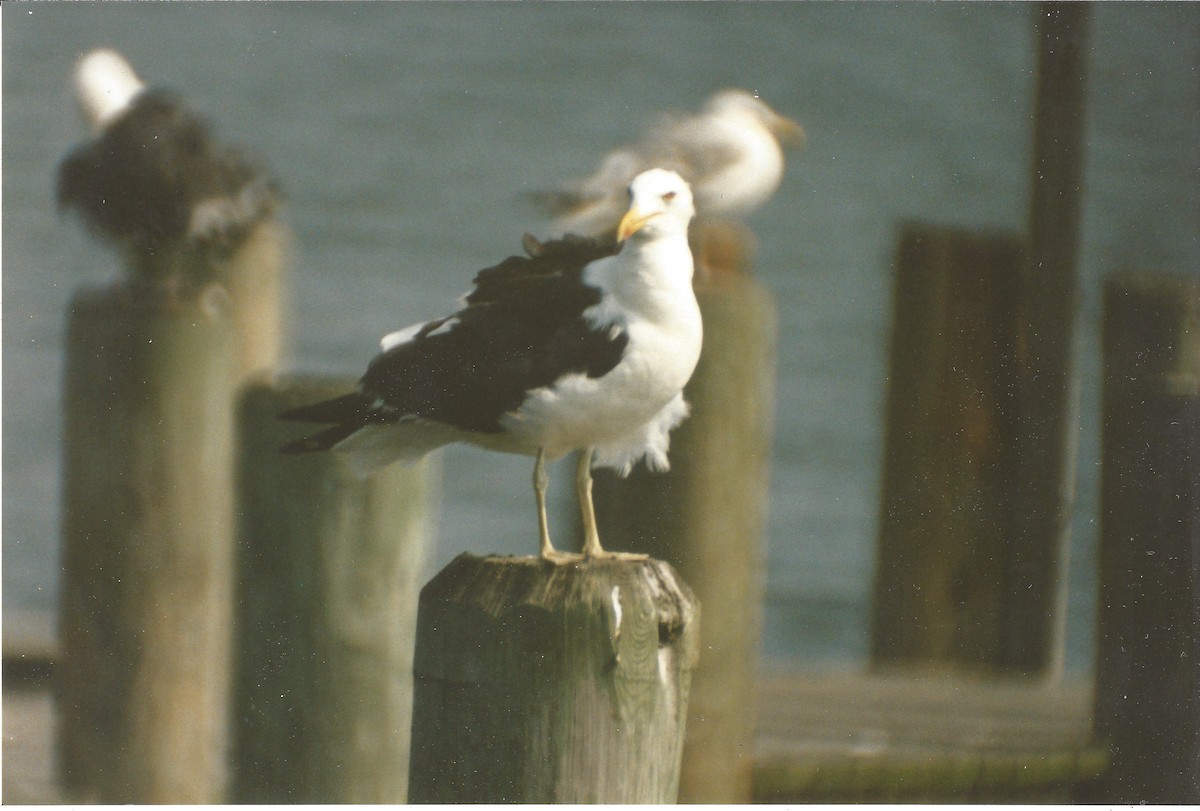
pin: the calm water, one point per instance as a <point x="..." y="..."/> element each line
<point x="405" y="133"/>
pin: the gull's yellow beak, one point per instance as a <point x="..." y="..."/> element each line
<point x="789" y="132"/>
<point x="632" y="222"/>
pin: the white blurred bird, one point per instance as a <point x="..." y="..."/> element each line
<point x="584" y="344"/>
<point x="152" y="180"/>
<point x="730" y="153"/>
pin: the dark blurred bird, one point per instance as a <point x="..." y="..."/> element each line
<point x="730" y="153"/>
<point x="584" y="344"/>
<point x="153" y="182"/>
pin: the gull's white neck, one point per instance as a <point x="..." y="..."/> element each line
<point x="651" y="277"/>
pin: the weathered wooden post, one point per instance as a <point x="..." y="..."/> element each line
<point x="329" y="568"/>
<point x="146" y="556"/>
<point x="1048" y="391"/>
<point x="539" y="682"/>
<point x="152" y="367"/>
<point x="707" y="516"/>
<point x="253" y="278"/>
<point x="950" y="465"/>
<point x="1148" y="660"/>
<point x="980" y="459"/>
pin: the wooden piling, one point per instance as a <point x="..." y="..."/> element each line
<point x="950" y="465"/>
<point x="253" y="277"/>
<point x="1048" y="390"/>
<point x="329" y="568"/>
<point x="707" y="518"/>
<point x="1147" y="702"/>
<point x="247" y="282"/>
<point x="982" y="413"/>
<point x="144" y="619"/>
<point x="540" y="683"/>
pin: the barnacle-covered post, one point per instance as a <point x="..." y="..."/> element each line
<point x="540" y="682"/>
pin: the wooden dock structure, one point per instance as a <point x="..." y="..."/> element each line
<point x="981" y="714"/>
<point x="820" y="737"/>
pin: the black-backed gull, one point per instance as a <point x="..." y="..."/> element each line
<point x="152" y="180"/>
<point x="584" y="345"/>
<point x="730" y="153"/>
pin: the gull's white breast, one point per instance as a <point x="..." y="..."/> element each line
<point x="659" y="314"/>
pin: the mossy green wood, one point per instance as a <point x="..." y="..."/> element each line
<point x="539" y="682"/>
<point x="329" y="571"/>
<point x="145" y="605"/>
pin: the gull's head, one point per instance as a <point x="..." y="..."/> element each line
<point x="741" y="105"/>
<point x="660" y="204"/>
<point x="105" y="84"/>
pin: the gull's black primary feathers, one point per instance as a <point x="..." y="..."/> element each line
<point x="521" y="329"/>
<point x="568" y="255"/>
<point x="582" y="345"/>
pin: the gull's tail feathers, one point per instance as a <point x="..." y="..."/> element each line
<point x="360" y="435"/>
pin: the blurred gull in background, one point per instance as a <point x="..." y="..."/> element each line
<point x="730" y="153"/>
<point x="153" y="182"/>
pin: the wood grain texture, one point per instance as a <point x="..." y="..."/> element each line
<point x="539" y="683"/>
<point x="707" y="518"/>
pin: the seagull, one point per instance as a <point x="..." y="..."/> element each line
<point x="585" y="344"/>
<point x="730" y="153"/>
<point x="153" y="181"/>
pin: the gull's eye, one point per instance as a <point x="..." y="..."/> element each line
<point x="668" y="197"/>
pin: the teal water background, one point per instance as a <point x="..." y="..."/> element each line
<point x="406" y="133"/>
